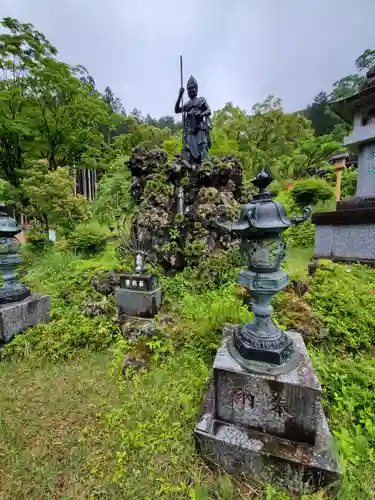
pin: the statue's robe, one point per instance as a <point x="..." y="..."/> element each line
<point x="196" y="134"/>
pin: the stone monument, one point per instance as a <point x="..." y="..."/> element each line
<point x="138" y="294"/>
<point x="262" y="415"/>
<point x="348" y="234"/>
<point x="19" y="308"/>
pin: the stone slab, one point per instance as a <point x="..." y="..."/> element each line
<point x="323" y="241"/>
<point x="366" y="170"/>
<point x="136" y="303"/>
<point x="356" y="202"/>
<point x="350" y="243"/>
<point x="285" y="405"/>
<point x="18" y="316"/>
<point x="297" y="467"/>
<point x="345" y="217"/>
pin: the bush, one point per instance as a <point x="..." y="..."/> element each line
<point x="349" y="182"/>
<point x="62" y="337"/>
<point x="301" y="235"/>
<point x="37" y="237"/>
<point x="67" y="279"/>
<point x="348" y="387"/>
<point x="88" y="238"/>
<point x="311" y="191"/>
<point x="344" y="298"/>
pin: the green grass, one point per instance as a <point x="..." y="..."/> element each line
<point x="52" y="428"/>
<point x="297" y="261"/>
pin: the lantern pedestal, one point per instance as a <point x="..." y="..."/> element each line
<point x="18" y="316"/>
<point x="261" y="341"/>
<point x="268" y="427"/>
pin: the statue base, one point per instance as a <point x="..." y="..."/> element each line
<point x="265" y="426"/>
<point x="18" y="316"/>
<point x="13" y="293"/>
<point x="138" y="296"/>
<point x="347" y="234"/>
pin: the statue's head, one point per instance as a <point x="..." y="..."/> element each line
<point x="192" y="87"/>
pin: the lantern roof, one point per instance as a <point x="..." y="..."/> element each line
<point x="349" y="106"/>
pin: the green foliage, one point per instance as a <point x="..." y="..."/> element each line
<point x="38" y="237"/>
<point x="194" y="251"/>
<point x="66" y="278"/>
<point x="310" y="155"/>
<point x="349" y="182"/>
<point x="158" y="416"/>
<point x="311" y="191"/>
<point x="344" y="298"/>
<point x="140" y="134"/>
<point x="301" y="235"/>
<point x="62" y="337"/>
<point x="258" y="139"/>
<point x="348" y="390"/>
<point x="51" y="196"/>
<point x="322" y="119"/>
<point x="45" y="110"/>
<point x="219" y="269"/>
<point x="88" y="237"/>
<point x="113" y="195"/>
<point x="173" y="145"/>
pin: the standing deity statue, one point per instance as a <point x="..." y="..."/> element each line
<point x="196" y="124"/>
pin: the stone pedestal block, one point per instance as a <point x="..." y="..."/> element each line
<point x="143" y="304"/>
<point x="270" y="427"/>
<point x="18" y="316"/>
<point x="346" y="242"/>
<point x="285" y="405"/>
<point x="294" y="466"/>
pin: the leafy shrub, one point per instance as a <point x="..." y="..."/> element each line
<point x="348" y="182"/>
<point x="218" y="269"/>
<point x="301" y="235"/>
<point x="311" y="191"/>
<point x="348" y="388"/>
<point x="67" y="279"/>
<point x="61" y="337"/>
<point x="88" y="238"/>
<point x="38" y="238"/>
<point x="52" y="193"/>
<point x="113" y="193"/>
<point x="344" y="298"/>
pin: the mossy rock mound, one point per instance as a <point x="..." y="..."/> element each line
<point x="212" y="192"/>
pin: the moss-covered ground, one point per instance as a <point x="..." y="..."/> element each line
<point x="71" y="426"/>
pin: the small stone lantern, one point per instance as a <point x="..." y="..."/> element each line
<point x="260" y="227"/>
<point x="19" y="309"/>
<point x="11" y="291"/>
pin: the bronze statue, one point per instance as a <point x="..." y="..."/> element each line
<point x="196" y="124"/>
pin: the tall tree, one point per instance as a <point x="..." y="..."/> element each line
<point x="65" y="116"/>
<point x="114" y="103"/>
<point x="262" y="136"/>
<point x="22" y="48"/>
<point x="320" y="116"/>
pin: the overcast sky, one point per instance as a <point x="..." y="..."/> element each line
<point x="238" y="50"/>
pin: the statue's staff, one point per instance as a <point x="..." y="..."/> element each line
<point x="179" y="190"/>
<point x="182" y="86"/>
